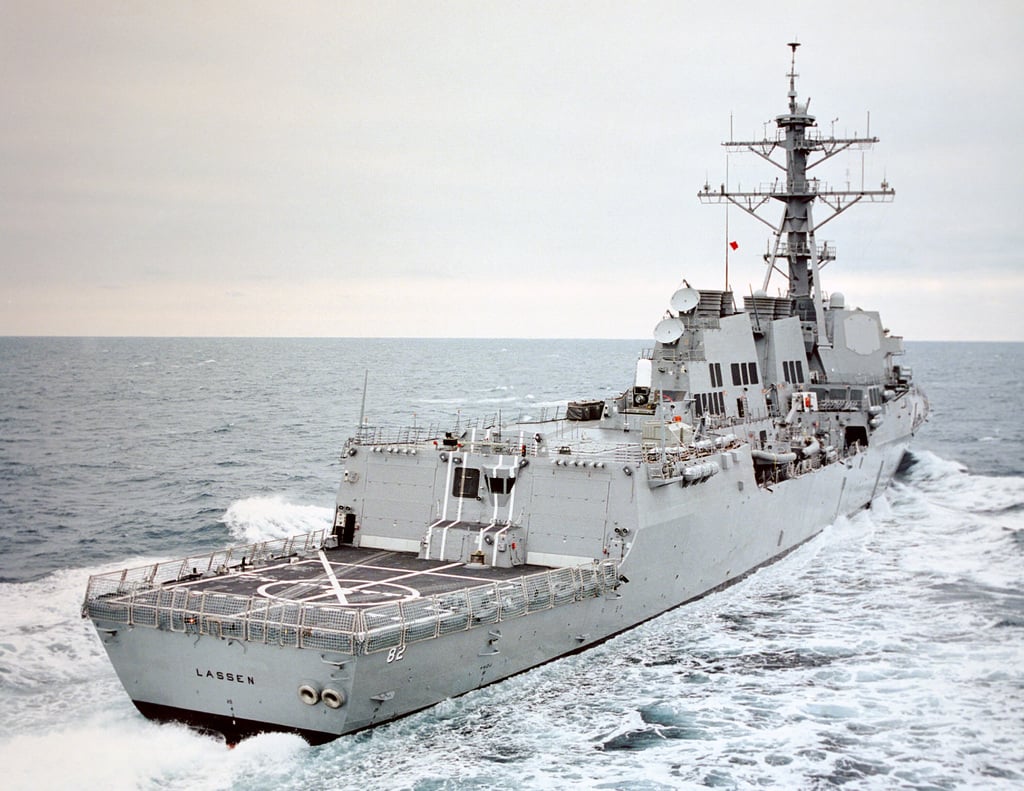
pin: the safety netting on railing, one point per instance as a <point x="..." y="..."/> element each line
<point x="397" y="623"/>
<point x="141" y="597"/>
<point x="144" y="578"/>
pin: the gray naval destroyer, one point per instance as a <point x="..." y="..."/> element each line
<point x="459" y="558"/>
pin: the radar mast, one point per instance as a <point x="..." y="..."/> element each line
<point x="794" y="236"/>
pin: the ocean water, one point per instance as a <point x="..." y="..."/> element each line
<point x="887" y="653"/>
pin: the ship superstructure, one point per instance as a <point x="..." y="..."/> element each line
<point x="459" y="557"/>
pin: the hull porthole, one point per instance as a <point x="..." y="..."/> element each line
<point x="332" y="698"/>
<point x="308" y="695"/>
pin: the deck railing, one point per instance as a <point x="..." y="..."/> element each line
<point x="148" y="597"/>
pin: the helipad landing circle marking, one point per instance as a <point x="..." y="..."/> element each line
<point x="389" y="590"/>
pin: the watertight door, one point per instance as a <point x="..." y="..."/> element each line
<point x="348" y="529"/>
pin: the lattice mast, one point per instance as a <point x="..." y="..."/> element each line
<point x="794" y="236"/>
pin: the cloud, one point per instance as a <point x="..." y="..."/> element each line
<point x="170" y="153"/>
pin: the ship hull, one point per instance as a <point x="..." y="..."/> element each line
<point x="683" y="549"/>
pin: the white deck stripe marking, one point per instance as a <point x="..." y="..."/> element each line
<point x="259" y="574"/>
<point x="407" y="572"/>
<point x="391" y="580"/>
<point x="330" y="575"/>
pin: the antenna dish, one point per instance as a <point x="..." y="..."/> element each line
<point x="685" y="300"/>
<point x="668" y="330"/>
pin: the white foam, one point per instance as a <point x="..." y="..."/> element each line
<point x="949" y="484"/>
<point x="96" y="751"/>
<point x="265" y="518"/>
<point x="497" y="400"/>
<point x="50" y="658"/>
<point x="115" y="752"/>
<point x="438" y="401"/>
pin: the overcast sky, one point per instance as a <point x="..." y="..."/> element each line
<point x="489" y="169"/>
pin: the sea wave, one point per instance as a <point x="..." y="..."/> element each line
<point x="255" y="519"/>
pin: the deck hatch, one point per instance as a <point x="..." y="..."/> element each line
<point x="466" y="482"/>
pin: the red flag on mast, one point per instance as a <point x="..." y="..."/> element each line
<point x="734" y="245"/>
